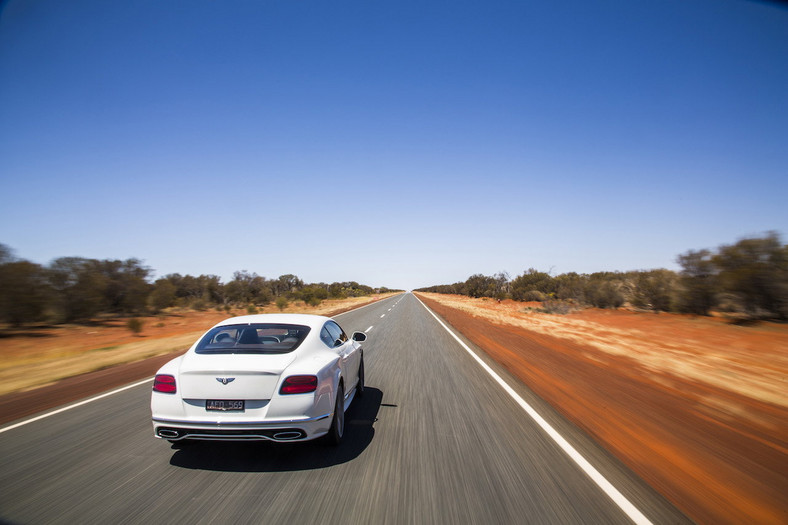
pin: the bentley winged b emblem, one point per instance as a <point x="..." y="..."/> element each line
<point x="225" y="380"/>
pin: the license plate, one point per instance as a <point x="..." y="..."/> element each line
<point x="224" y="405"/>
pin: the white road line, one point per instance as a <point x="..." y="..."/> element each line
<point x="360" y="307"/>
<point x="382" y="316"/>
<point x="75" y="405"/>
<point x="619" y="499"/>
<point x="368" y="329"/>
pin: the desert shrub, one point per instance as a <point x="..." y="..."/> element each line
<point x="199" y="304"/>
<point x="654" y="289"/>
<point x="313" y="301"/>
<point x="570" y="286"/>
<point x="729" y="303"/>
<point x="533" y="295"/>
<point x="135" y="324"/>
<point x="604" y="294"/>
<point x="281" y="302"/>
<point x="479" y="285"/>
<point x="313" y="295"/>
<point x="555" y="306"/>
<point x="251" y="309"/>
<point x="532" y="280"/>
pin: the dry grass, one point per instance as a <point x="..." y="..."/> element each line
<point x="25" y="374"/>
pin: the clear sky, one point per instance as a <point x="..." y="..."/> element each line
<point x="397" y="144"/>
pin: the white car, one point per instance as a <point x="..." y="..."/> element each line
<point x="277" y="377"/>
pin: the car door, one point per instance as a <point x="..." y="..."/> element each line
<point x="347" y="354"/>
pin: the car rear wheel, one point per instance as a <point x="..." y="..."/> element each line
<point x="360" y="385"/>
<point x="337" y="430"/>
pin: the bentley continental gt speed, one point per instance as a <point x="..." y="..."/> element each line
<point x="276" y="377"/>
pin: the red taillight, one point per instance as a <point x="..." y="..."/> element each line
<point x="164" y="384"/>
<point x="299" y="385"/>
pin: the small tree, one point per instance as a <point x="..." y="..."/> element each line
<point x="162" y="296"/>
<point x="755" y="271"/>
<point x="24" y="293"/>
<point x="698" y="282"/>
<point x="478" y="285"/>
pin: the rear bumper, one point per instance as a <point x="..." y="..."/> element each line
<point x="284" y="430"/>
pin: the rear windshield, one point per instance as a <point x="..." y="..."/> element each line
<point x="252" y="339"/>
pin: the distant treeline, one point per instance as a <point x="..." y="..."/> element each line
<point x="749" y="278"/>
<point x="76" y="289"/>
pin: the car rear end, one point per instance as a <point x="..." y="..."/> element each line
<point x="237" y="392"/>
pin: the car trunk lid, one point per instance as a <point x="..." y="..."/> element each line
<point x="231" y="376"/>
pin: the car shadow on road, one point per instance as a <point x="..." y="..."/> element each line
<point x="265" y="456"/>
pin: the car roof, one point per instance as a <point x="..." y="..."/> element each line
<point x="313" y="321"/>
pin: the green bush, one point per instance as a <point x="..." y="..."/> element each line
<point x="282" y="302"/>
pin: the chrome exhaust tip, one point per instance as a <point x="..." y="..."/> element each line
<point x="168" y="434"/>
<point x="286" y="436"/>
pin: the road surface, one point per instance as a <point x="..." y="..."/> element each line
<point x="436" y="439"/>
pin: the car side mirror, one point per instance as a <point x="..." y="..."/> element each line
<point x="359" y="336"/>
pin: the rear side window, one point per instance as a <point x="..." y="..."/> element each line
<point x="252" y="339"/>
<point x="326" y="337"/>
<point x="337" y="334"/>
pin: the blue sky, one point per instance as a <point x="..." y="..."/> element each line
<point x="397" y="144"/>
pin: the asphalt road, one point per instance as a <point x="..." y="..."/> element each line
<point x="434" y="440"/>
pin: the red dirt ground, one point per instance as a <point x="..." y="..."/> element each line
<point x="718" y="454"/>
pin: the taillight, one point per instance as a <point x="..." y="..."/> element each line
<point x="299" y="385"/>
<point x="164" y="383"/>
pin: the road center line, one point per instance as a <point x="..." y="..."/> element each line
<point x="368" y="329"/>
<point x="360" y="307"/>
<point x="619" y="499"/>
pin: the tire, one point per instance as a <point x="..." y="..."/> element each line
<point x="337" y="430"/>
<point x="360" y="385"/>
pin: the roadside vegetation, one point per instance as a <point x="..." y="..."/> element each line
<point x="76" y="289"/>
<point x="747" y="280"/>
